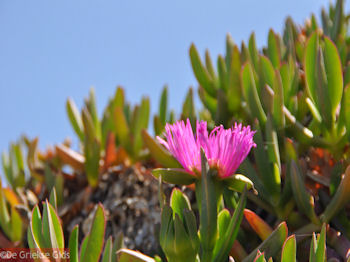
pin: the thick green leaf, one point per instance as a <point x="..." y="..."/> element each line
<point x="340" y="198"/>
<point x="73" y="245"/>
<point x="165" y="227"/>
<point x="238" y="182"/>
<point x="35" y="231"/>
<point x="96" y="236"/>
<point x="209" y="64"/>
<point x="92" y="161"/>
<point x="163" y="105"/>
<point x="4" y="215"/>
<point x="92" y="108"/>
<point x="225" y="243"/>
<point x="107" y="253"/>
<point x="224" y="219"/>
<point x="53" y="198"/>
<point x="191" y="228"/>
<point x="222" y="71"/>
<point x="75" y="119"/>
<point x="272" y="144"/>
<point x="338" y="20"/>
<point x="209" y="102"/>
<point x="16" y="225"/>
<point x="273" y="49"/>
<point x="309" y="65"/>
<point x="183" y="246"/>
<point x="267" y="70"/>
<point x="321" y="245"/>
<point x="118" y="244"/>
<point x="278" y="101"/>
<point x="344" y="119"/>
<point x="174" y="176"/>
<point x="253" y="51"/>
<point x="51" y="227"/>
<point x="179" y="202"/>
<point x="289" y="250"/>
<point x="83" y="247"/>
<point x="188" y="108"/>
<point x="122" y="132"/>
<point x="270" y="179"/>
<point x="302" y="198"/>
<point x="201" y="72"/>
<point x="251" y="94"/>
<point x="234" y="81"/>
<point x="334" y="73"/>
<point x="141" y="122"/>
<point x="260" y="257"/>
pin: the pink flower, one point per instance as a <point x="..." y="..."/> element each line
<point x="225" y="149"/>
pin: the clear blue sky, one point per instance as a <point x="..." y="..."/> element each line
<point x="50" y="50"/>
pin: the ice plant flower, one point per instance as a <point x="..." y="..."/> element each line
<point x="225" y="149"/>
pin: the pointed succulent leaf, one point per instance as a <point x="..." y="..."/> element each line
<point x="36" y="230"/>
<point x="302" y="198"/>
<point x="75" y="119"/>
<point x="188" y="109"/>
<point x="238" y="182"/>
<point x="321" y="245"/>
<point x="340" y="198"/>
<point x="253" y="51"/>
<point x="118" y="244"/>
<point x="222" y="71"/>
<point x="107" y="252"/>
<point x="179" y="202"/>
<point x="16" y="225"/>
<point x="201" y="72"/>
<point x="271" y="180"/>
<point x="52" y="229"/>
<point x="184" y="250"/>
<point x="289" y="250"/>
<point x="273" y="49"/>
<point x="96" y="236"/>
<point x="309" y="64"/>
<point x="267" y="70"/>
<point x="73" y="245"/>
<point x="191" y="228"/>
<point x="251" y="93"/>
<point x="174" y="176"/>
<point x="53" y="198"/>
<point x="163" y="105"/>
<point x="260" y="257"/>
<point x="278" y="101"/>
<point x="234" y="81"/>
<point x="225" y="243"/>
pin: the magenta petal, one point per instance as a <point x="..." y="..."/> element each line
<point x="225" y="149"/>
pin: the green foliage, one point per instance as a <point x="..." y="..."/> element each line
<point x="294" y="92"/>
<point x="10" y="221"/>
<point x="14" y="166"/>
<point x="45" y="234"/>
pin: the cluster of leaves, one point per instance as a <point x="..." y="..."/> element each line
<point x="294" y="92"/>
